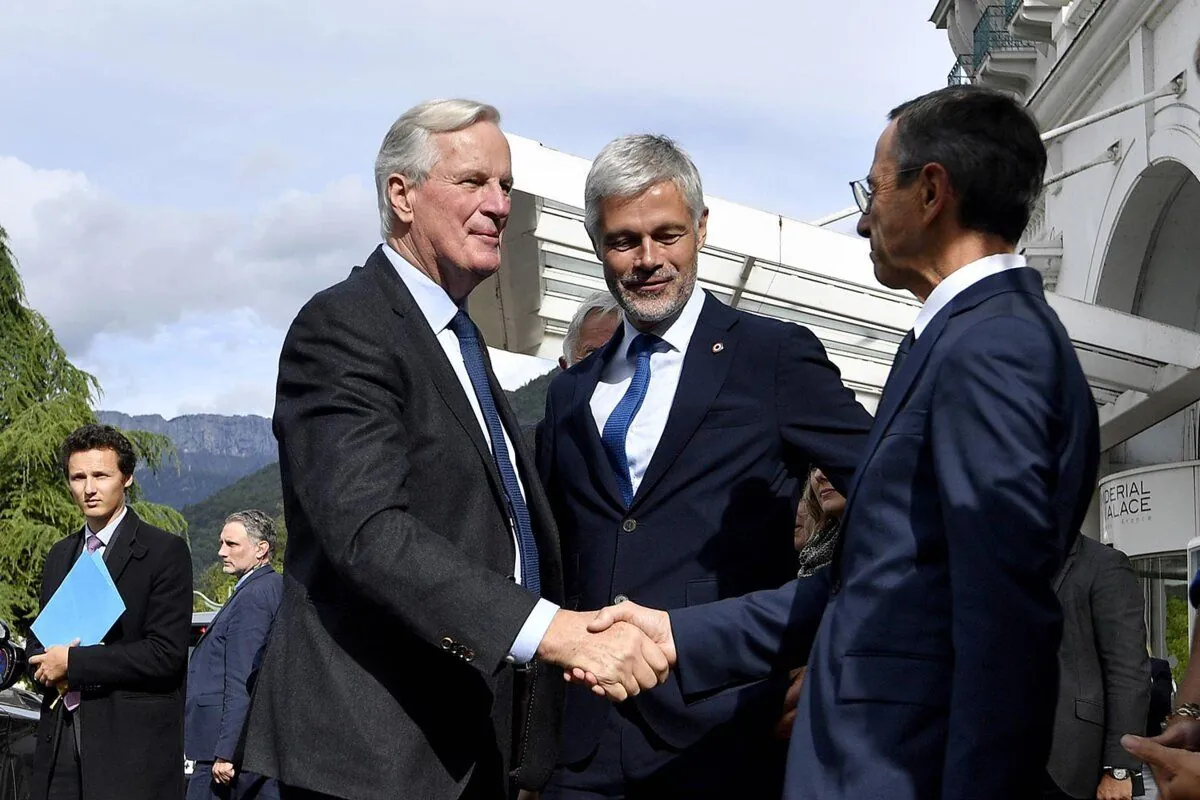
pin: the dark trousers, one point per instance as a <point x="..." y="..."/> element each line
<point x="632" y="763"/>
<point x="66" y="783"/>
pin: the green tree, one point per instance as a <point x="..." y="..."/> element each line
<point x="43" y="397"/>
<point x="214" y="585"/>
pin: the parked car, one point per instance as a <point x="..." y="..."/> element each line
<point x="19" y="712"/>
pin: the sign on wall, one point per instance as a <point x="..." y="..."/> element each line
<point x="1150" y="509"/>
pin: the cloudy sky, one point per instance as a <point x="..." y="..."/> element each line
<point x="178" y="178"/>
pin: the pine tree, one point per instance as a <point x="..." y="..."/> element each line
<point x="43" y="397"/>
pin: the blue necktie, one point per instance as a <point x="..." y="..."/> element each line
<point x="616" y="429"/>
<point x="472" y="355"/>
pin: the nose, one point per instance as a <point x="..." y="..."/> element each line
<point x="863" y="227"/>
<point x="496" y="204"/>
<point x="89" y="486"/>
<point x="651" y="254"/>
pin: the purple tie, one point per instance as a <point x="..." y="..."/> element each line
<point x="71" y="699"/>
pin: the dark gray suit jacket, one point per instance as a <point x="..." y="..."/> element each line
<point x="385" y="673"/>
<point x="1104" y="670"/>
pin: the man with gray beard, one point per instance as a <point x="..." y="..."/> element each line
<point x="673" y="460"/>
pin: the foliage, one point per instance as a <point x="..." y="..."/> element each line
<point x="214" y="584"/>
<point x="43" y="397"/>
<point x="529" y="402"/>
<point x="1178" y="645"/>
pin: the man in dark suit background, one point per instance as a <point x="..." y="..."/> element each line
<point x="224" y="661"/>
<point x="1104" y="675"/>
<point x="934" y="671"/>
<point x="674" y="471"/>
<point x="423" y="575"/>
<point x="117" y="733"/>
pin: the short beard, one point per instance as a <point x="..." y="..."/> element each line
<point x="653" y="312"/>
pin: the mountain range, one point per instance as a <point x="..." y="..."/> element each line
<point x="212" y="451"/>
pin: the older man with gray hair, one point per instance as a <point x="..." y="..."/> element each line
<point x="225" y="660"/>
<point x="596" y="319"/>
<point x="423" y="577"/>
<point x="674" y="459"/>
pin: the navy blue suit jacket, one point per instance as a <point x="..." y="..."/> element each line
<point x="934" y="671"/>
<point x="222" y="663"/>
<point x="714" y="513"/>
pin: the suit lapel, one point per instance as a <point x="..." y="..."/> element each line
<point x="429" y="354"/>
<point x="124" y="546"/>
<point x="900" y="384"/>
<point x="583" y="422"/>
<point x="58" y="564"/>
<point x="705" y="367"/>
<point x="258" y="573"/>
<point x="1072" y="557"/>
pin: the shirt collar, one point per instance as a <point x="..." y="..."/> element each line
<point x="436" y="306"/>
<point x="959" y="281"/>
<point x="245" y="577"/>
<point x="677" y="333"/>
<point x="106" y="533"/>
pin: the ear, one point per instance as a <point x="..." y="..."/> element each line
<point x="936" y="193"/>
<point x="262" y="548"/>
<point x="129" y="482"/>
<point x="400" y="191"/>
<point x="702" y="229"/>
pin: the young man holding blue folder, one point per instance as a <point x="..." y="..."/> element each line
<point x="116" y="732"/>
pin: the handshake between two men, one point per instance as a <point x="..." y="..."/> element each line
<point x="617" y="651"/>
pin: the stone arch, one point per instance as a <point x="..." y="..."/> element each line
<point x="1152" y="257"/>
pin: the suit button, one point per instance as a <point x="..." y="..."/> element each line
<point x="447" y="643"/>
<point x="620" y="599"/>
<point x="468" y="655"/>
<point x="629" y="525"/>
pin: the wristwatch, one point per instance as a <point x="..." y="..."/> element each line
<point x="1119" y="773"/>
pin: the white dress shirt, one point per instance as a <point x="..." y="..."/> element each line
<point x="438" y="309"/>
<point x="666" y="364"/>
<point x="959" y="281"/>
<point x="105" y="534"/>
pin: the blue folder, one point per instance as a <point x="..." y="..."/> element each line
<point x="85" y="607"/>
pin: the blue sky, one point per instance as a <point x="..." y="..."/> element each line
<point x="177" y="178"/>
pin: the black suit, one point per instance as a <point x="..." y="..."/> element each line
<point x="1104" y="670"/>
<point x="129" y="724"/>
<point x="385" y="675"/>
<point x="757" y="402"/>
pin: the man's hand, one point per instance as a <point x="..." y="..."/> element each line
<point x="621" y="660"/>
<point x="654" y="623"/>
<point x="1176" y="771"/>
<point x="783" y="728"/>
<point x="52" y="665"/>
<point x="1112" y="789"/>
<point x="1181" y="732"/>
<point x="222" y="771"/>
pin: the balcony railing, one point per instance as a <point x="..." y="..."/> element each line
<point x="992" y="33"/>
<point x="962" y="73"/>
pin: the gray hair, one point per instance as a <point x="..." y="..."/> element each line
<point x="408" y="147"/>
<point x="258" y="524"/>
<point x="600" y="303"/>
<point x="630" y="165"/>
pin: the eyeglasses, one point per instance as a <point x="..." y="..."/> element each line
<point x="864" y="194"/>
